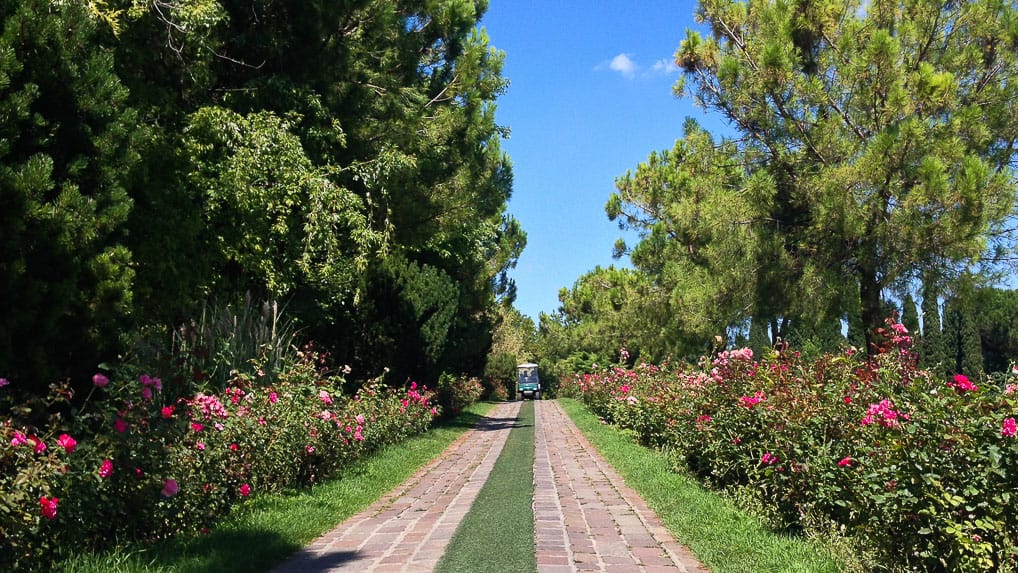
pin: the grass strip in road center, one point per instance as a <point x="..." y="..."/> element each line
<point x="497" y="534"/>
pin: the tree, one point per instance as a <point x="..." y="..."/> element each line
<point x="996" y="318"/>
<point x="67" y="151"/>
<point x="514" y="334"/>
<point x="366" y="131"/>
<point x="910" y="316"/>
<point x="932" y="352"/>
<point x="961" y="334"/>
<point x="759" y="338"/>
<point x="873" y="141"/>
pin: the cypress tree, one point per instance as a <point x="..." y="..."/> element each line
<point x="952" y="337"/>
<point x="910" y="315"/>
<point x="971" y="347"/>
<point x="759" y="340"/>
<point x="931" y="347"/>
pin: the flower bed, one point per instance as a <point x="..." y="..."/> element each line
<point x="137" y="463"/>
<point x="921" y="471"/>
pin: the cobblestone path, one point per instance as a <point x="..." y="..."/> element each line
<point x="409" y="528"/>
<point x="586" y="518"/>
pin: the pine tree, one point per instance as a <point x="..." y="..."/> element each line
<point x="854" y="157"/>
<point x="67" y="146"/>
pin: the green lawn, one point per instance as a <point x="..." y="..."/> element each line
<point x="497" y="534"/>
<point x="262" y="533"/>
<point x="724" y="537"/>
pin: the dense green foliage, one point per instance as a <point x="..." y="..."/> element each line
<point x="917" y="470"/>
<point x="174" y="174"/>
<point x="725" y="537"/>
<point x="68" y="142"/>
<point x="871" y="145"/>
<point x="137" y="462"/>
<point x="340" y="158"/>
<point x="513" y="342"/>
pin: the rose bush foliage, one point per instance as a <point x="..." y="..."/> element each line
<point x="921" y="471"/>
<point x="137" y="461"/>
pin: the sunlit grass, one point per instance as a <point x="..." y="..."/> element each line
<point x="723" y="537"/>
<point x="264" y="532"/>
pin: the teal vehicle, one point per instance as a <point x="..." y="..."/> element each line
<point x="528" y="385"/>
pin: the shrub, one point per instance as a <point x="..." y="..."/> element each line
<point x="920" y="469"/>
<point x="458" y="392"/>
<point x="134" y="462"/>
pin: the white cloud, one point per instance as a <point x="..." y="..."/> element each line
<point x="665" y="67"/>
<point x="629" y="68"/>
<point x="623" y="65"/>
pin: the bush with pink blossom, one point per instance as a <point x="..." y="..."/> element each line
<point x="136" y="460"/>
<point x="921" y="471"/>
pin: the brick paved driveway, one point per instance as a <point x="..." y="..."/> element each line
<point x="586" y="518"/>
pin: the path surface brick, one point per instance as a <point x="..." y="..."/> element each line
<point x="408" y="529"/>
<point x="587" y="518"/>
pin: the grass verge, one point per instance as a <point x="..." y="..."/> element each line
<point x="723" y="537"/>
<point x="258" y="535"/>
<point x="497" y="533"/>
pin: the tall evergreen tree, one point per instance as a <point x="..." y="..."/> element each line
<point x="953" y="347"/>
<point x="996" y="316"/>
<point x="910" y="316"/>
<point x="932" y="352"/>
<point x="67" y="148"/>
<point x="759" y="339"/>
<point x="971" y="347"/>
<point x="873" y="140"/>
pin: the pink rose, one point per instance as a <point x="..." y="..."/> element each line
<point x="1009" y="428"/>
<point x="245" y="490"/>
<point x="106" y="469"/>
<point x="961" y="383"/>
<point x="99" y="380"/>
<point x="120" y="425"/>
<point x="170" y="488"/>
<point x="48" y="506"/>
<point x="67" y="443"/>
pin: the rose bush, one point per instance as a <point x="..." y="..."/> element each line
<point x="458" y="392"/>
<point x="923" y="471"/>
<point x="138" y="461"/>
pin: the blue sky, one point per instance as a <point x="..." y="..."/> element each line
<point x="590" y="98"/>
